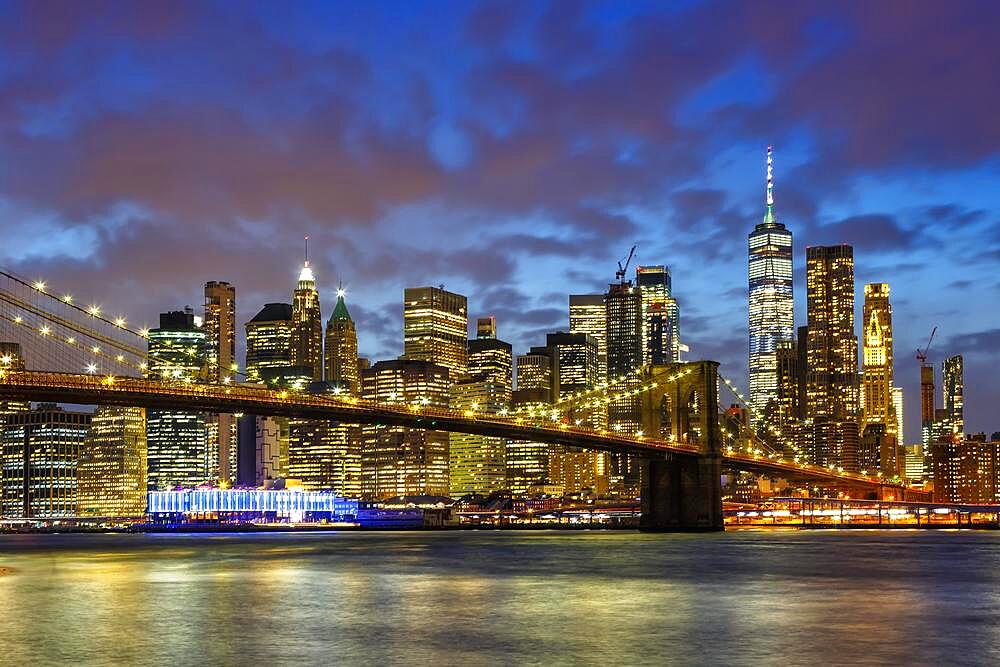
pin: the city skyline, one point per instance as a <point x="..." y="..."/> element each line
<point x="907" y="200"/>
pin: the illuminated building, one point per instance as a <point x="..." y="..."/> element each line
<point x="623" y="312"/>
<point x="914" y="464"/>
<point x="771" y="311"/>
<point x="953" y="386"/>
<point x="307" y="323"/>
<point x="490" y="360"/>
<point x="486" y="327"/>
<point x="832" y="388"/>
<point x="476" y="462"/>
<point x="342" y="349"/>
<point x="527" y="463"/>
<point x="220" y="357"/>
<point x="660" y="315"/>
<point x="40" y="450"/>
<point x="587" y="315"/>
<point x="878" y="400"/>
<point x="786" y="406"/>
<point x="926" y="405"/>
<point x="832" y="353"/>
<point x="436" y="328"/>
<point x="111" y="474"/>
<point x="325" y="456"/>
<point x="966" y="471"/>
<point x="176" y="441"/>
<point x="269" y="340"/>
<point x="249" y="505"/>
<point x="878" y="451"/>
<point x="269" y="355"/>
<point x="897" y="404"/>
<point x="11" y="359"/>
<point x="575" y="362"/>
<point x="399" y="461"/>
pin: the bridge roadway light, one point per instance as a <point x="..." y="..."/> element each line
<point x="91" y="368"/>
<point x="6" y="359"/>
<point x="18" y="319"/>
<point x="39" y="285"/>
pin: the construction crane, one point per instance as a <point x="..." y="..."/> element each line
<point x="922" y="354"/>
<point x="620" y="273"/>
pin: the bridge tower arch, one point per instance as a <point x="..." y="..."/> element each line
<point x="683" y="492"/>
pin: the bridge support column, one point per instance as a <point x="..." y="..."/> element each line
<point x="682" y="494"/>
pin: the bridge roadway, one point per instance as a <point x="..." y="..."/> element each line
<point x="255" y="399"/>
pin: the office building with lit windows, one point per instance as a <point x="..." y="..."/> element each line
<point x="476" y="462"/>
<point x="111" y="474"/>
<point x="436" y="328"/>
<point x="220" y="359"/>
<point x="39" y="453"/>
<point x="269" y="340"/>
<point x="832" y="386"/>
<point x="623" y="308"/>
<point x="399" y="461"/>
<point x="587" y="315"/>
<point x="878" y="405"/>
<point x="660" y="315"/>
<point x="11" y="359"/>
<point x="771" y="303"/>
<point x="341" y="351"/>
<point x="953" y="387"/>
<point x="307" y="324"/>
<point x="490" y="359"/>
<point x="177" y="441"/>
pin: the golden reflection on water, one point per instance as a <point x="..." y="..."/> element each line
<point x="500" y="598"/>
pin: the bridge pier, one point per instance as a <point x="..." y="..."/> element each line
<point x="682" y="494"/>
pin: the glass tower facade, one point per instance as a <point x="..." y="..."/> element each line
<point x="220" y="358"/>
<point x="660" y="315"/>
<point x="771" y="312"/>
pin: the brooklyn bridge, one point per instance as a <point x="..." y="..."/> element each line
<point x="74" y="354"/>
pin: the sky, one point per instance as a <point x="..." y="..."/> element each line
<point x="512" y="152"/>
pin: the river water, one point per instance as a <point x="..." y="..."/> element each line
<point x="502" y="598"/>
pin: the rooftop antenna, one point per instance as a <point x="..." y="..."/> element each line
<point x="307" y="250"/>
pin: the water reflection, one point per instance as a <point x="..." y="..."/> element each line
<point x="502" y="598"/>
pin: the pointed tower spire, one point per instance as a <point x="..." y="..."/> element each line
<point x="306" y="275"/>
<point x="769" y="216"/>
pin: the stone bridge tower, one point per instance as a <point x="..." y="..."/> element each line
<point x="679" y="491"/>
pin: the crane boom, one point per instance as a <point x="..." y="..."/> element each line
<point x="922" y="354"/>
<point x="622" y="270"/>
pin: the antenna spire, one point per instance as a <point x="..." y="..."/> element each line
<point x="769" y="216"/>
<point x="770" y="177"/>
<point x="307" y="250"/>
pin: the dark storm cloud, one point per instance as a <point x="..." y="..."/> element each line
<point x="985" y="343"/>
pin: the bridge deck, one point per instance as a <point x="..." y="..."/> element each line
<point x="255" y="399"/>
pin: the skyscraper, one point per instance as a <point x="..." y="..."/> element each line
<point x="476" y="462"/>
<point x="342" y="349"/>
<point x="436" y="328"/>
<point x="111" y="474"/>
<point x="832" y="353"/>
<point x="490" y="359"/>
<point x="269" y="354"/>
<point x="832" y="392"/>
<point x="771" y="308"/>
<point x="176" y="441"/>
<point x="486" y="327"/>
<point x="878" y="404"/>
<point x="307" y="323"/>
<point x="660" y="315"/>
<point x="587" y="315"/>
<point x="623" y="308"/>
<point x="269" y="340"/>
<point x="39" y="452"/>
<point x="399" y="461"/>
<point x="527" y="462"/>
<point x="220" y="358"/>
<point x="952" y="376"/>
